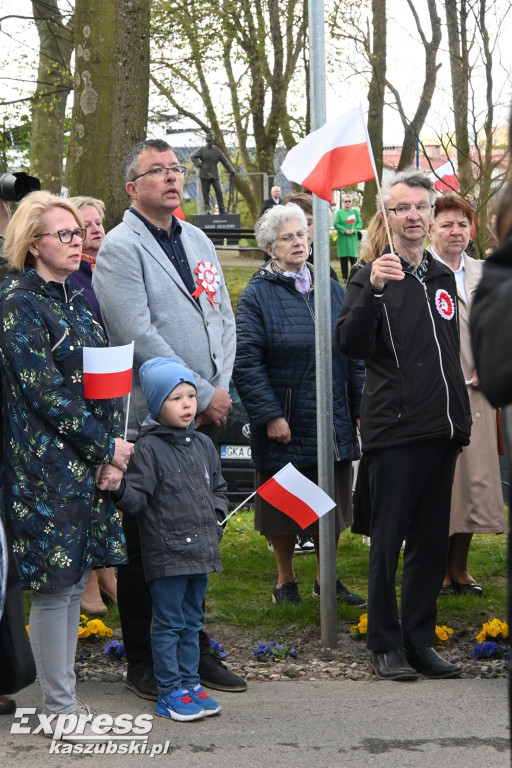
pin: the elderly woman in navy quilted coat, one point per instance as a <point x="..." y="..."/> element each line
<point x="274" y="374"/>
<point x="55" y="441"/>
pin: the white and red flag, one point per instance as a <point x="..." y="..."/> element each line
<point x="107" y="371"/>
<point x="296" y="496"/>
<point x="445" y="177"/>
<point x="337" y="155"/>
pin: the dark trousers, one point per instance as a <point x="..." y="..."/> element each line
<point x="410" y="488"/>
<point x="346" y="266"/>
<point x="205" y="186"/>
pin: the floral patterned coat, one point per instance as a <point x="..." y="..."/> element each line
<point x="54" y="438"/>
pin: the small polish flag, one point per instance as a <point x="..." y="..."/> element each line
<point x="445" y="177"/>
<point x="108" y="371"/>
<point x="336" y="155"/>
<point x="296" y="496"/>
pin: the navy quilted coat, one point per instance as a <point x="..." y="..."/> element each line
<point x="274" y="372"/>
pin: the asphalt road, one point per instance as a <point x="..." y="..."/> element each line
<point x="354" y="724"/>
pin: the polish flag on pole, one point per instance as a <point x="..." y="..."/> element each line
<point x="296" y="496"/>
<point x="108" y="371"/>
<point x="337" y="155"/>
<point x="445" y="177"/>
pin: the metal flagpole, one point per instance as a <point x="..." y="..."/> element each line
<point x="323" y="341"/>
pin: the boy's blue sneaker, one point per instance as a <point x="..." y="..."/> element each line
<point x="179" y="705"/>
<point x="199" y="697"/>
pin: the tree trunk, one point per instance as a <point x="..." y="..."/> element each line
<point x="456" y="22"/>
<point x="111" y="98"/>
<point x="376" y="103"/>
<point x="49" y="100"/>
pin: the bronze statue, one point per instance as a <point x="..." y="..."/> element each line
<point x="206" y="159"/>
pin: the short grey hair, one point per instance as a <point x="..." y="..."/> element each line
<point x="267" y="228"/>
<point x="131" y="159"/>
<point x="411" y="177"/>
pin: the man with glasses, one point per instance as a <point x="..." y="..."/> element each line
<point x="159" y="283"/>
<point x="400" y="315"/>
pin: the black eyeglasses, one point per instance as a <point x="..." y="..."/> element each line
<point x="161" y="173"/>
<point x="67" y="235"/>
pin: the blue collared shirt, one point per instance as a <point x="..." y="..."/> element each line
<point x="172" y="247"/>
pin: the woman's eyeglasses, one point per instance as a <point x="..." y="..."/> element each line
<point x="67" y="235"/>
<point x="290" y="235"/>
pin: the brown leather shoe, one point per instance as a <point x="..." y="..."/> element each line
<point x="7" y="705"/>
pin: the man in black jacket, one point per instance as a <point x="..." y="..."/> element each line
<point x="400" y="316"/>
<point x="269" y="202"/>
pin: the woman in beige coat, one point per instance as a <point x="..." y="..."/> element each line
<point x="477" y="499"/>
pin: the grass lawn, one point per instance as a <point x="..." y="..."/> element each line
<point x="236" y="279"/>
<point x="241" y="595"/>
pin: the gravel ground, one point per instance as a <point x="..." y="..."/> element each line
<point x="349" y="660"/>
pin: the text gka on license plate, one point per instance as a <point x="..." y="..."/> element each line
<point x="235" y="452"/>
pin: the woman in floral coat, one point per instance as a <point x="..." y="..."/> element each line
<point x="55" y="441"/>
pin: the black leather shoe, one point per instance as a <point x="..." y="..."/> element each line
<point x="468" y="589"/>
<point x="141" y="680"/>
<point x="430" y="663"/>
<point x="392" y="665"/>
<point x="214" y="674"/>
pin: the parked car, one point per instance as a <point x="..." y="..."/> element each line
<point x="235" y="451"/>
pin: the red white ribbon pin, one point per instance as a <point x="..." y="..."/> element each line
<point x="207" y="280"/>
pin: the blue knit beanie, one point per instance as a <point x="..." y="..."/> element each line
<point x="158" y="378"/>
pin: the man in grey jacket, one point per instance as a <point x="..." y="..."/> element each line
<point x="160" y="284"/>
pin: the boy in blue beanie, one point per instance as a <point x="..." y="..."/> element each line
<point x="174" y="481"/>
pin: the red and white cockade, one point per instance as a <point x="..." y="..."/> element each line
<point x="207" y="280"/>
<point x="445" y="304"/>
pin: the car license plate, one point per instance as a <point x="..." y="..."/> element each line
<point x="235" y="452"/>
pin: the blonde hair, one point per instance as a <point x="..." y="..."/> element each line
<point x="27" y="223"/>
<point x="376" y="240"/>
<point x="82" y="201"/>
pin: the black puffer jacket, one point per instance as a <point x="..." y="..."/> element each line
<point x="491" y="326"/>
<point x="174" y="485"/>
<point x="274" y="372"/>
<point x="409" y="339"/>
